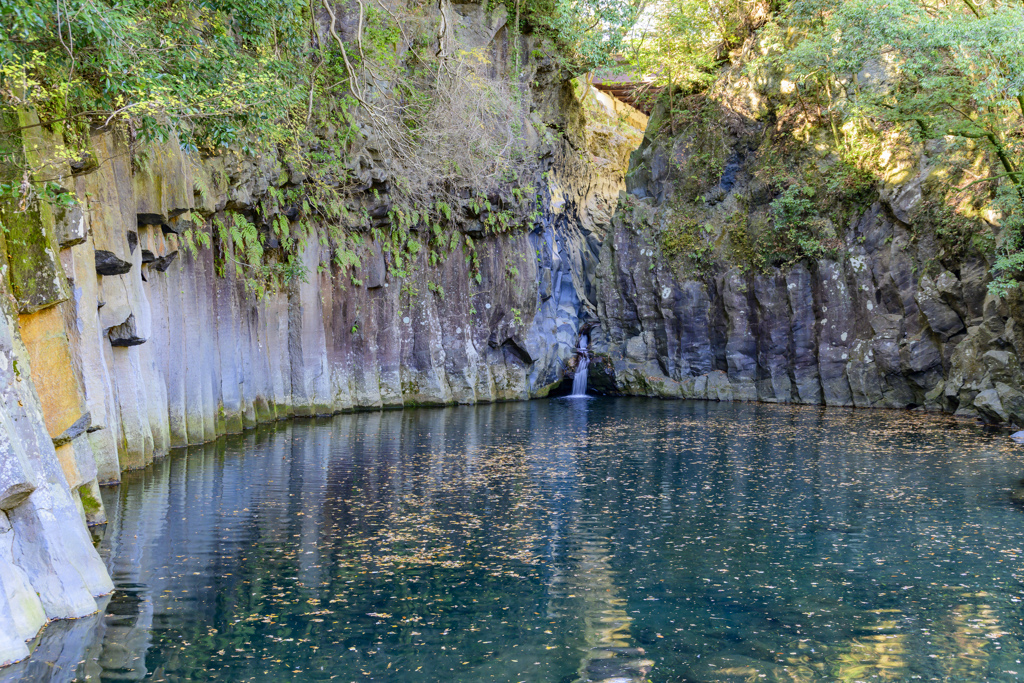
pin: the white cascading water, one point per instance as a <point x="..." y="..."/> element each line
<point x="579" y="382"/>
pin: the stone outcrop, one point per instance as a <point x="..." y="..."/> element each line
<point x="122" y="338"/>
<point x="48" y="566"/>
<point x="893" y="319"/>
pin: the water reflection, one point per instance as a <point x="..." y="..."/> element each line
<point x="62" y="650"/>
<point x="564" y="541"/>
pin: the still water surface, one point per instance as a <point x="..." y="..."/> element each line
<point x="567" y="540"/>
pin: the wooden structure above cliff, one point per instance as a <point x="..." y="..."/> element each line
<point x="636" y="90"/>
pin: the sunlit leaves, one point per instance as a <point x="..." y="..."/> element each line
<point x="201" y="69"/>
<point x="593" y="30"/>
<point x="681" y="42"/>
<point x="953" y="69"/>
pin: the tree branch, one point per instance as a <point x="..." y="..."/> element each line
<point x="312" y="85"/>
<point x="353" y="82"/>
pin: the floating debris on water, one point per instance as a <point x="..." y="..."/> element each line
<point x="608" y="540"/>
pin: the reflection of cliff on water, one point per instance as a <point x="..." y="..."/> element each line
<point x="610" y="652"/>
<point x="319" y="518"/>
<point x="60" y="649"/>
<point x="581" y="563"/>
<point x="563" y="541"/>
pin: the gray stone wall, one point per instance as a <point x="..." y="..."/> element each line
<point x="127" y="343"/>
<point x="893" y="321"/>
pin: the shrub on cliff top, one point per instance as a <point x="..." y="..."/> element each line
<point x="274" y="78"/>
<point x="949" y="69"/>
<point x="209" y="70"/>
<point x="905" y="71"/>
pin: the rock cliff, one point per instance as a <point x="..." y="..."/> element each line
<point x="744" y="257"/>
<point x="124" y="336"/>
<point x="750" y="261"/>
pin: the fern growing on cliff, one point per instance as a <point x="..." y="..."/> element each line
<point x="372" y="110"/>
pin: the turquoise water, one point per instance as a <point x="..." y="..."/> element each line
<point x="567" y="540"/>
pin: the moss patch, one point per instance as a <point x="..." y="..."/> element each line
<point x="36" y="278"/>
<point x="90" y="503"/>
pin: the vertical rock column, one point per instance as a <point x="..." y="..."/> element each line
<point x="48" y="566"/>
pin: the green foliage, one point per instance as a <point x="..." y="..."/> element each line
<point x="241" y="247"/>
<point x="862" y="82"/>
<point x="957" y="234"/>
<point x="25" y="195"/>
<point x="797" y="231"/>
<point x="1008" y="269"/>
<point x="687" y="239"/>
<point x="592" y="31"/>
<point x="234" y="77"/>
<point x="589" y="34"/>
<point x="410" y="291"/>
<point x="682" y="42"/>
<point x="941" y="67"/>
<point x="940" y="70"/>
<point x="381" y="38"/>
<point x="202" y="71"/>
<point x="193" y="239"/>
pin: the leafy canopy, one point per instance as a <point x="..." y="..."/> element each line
<point x="952" y="69"/>
<point x="208" y="69"/>
<point x="949" y="70"/>
<point x="591" y="32"/>
<point x="682" y="42"/>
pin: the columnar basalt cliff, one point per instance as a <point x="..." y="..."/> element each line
<point x="743" y="257"/>
<point x="788" y="275"/>
<point x="123" y="338"/>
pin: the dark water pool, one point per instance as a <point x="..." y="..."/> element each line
<point x="566" y="540"/>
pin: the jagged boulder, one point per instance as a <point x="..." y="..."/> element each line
<point x="107" y="263"/>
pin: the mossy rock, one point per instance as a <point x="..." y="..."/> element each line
<point x="36" y="276"/>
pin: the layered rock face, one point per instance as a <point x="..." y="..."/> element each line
<point x="122" y="339"/>
<point x="48" y="566"/>
<point x="893" y="318"/>
<point x="181" y="353"/>
<point x="174" y="351"/>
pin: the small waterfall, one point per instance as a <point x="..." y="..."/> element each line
<point x="579" y="382"/>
